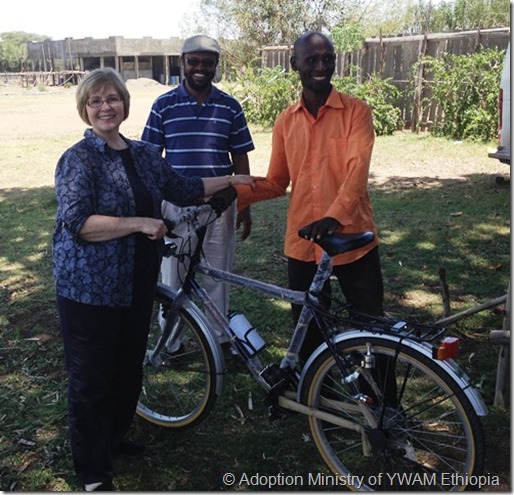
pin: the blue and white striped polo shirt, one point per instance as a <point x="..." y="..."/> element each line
<point x="198" y="140"/>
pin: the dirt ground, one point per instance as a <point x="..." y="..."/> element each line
<point x="51" y="113"/>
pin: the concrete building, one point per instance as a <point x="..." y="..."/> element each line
<point x="157" y="59"/>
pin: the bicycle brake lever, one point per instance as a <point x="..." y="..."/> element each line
<point x="169" y="249"/>
<point x="169" y="229"/>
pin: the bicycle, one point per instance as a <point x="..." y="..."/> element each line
<point x="424" y="431"/>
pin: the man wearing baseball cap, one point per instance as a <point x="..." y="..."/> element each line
<point x="204" y="133"/>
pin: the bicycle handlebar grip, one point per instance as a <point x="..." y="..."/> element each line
<point x="186" y="216"/>
<point x="218" y="202"/>
<point x="222" y="199"/>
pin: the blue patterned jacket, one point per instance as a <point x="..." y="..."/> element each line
<point x="90" y="179"/>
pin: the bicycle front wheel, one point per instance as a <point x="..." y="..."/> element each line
<point x="179" y="385"/>
<point x="418" y="430"/>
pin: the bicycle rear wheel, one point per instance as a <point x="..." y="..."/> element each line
<point x="426" y="435"/>
<point x="179" y="390"/>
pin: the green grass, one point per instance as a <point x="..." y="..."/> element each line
<point x="457" y="218"/>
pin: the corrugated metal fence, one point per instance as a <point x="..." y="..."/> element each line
<point x="395" y="57"/>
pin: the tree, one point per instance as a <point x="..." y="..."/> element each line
<point x="452" y="15"/>
<point x="243" y="26"/>
<point x="13" y="49"/>
<point x="246" y="25"/>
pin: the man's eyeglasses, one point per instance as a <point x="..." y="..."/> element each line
<point x="206" y="62"/>
<point x="97" y="102"/>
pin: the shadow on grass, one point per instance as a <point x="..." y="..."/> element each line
<point x="461" y="225"/>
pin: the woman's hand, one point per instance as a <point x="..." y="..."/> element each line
<point x="214" y="184"/>
<point x="244" y="180"/>
<point x="154" y="228"/>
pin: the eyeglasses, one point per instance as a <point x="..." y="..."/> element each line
<point x="97" y="102"/>
<point x="206" y="62"/>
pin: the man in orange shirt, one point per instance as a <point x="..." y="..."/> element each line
<point x="322" y="146"/>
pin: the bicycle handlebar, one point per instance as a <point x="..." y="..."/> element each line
<point x="218" y="203"/>
<point x="187" y="216"/>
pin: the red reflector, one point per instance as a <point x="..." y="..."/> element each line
<point x="448" y="348"/>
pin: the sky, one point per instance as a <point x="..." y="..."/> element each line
<point x="60" y="19"/>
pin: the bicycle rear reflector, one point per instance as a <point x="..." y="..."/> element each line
<point x="446" y="349"/>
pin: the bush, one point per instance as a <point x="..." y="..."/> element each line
<point x="265" y="93"/>
<point x="465" y="87"/>
<point x="380" y="95"/>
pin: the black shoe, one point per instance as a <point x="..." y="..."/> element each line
<point x="129" y="447"/>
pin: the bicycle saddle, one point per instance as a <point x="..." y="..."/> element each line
<point x="341" y="243"/>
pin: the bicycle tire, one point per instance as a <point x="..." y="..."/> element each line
<point x="180" y="391"/>
<point x="429" y="438"/>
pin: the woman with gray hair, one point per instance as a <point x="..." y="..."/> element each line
<point x="107" y="249"/>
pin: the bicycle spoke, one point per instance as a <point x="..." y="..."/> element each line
<point x="425" y="426"/>
<point x="178" y="386"/>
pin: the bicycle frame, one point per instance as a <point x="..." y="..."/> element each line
<point x="379" y="395"/>
<point x="309" y="302"/>
<point x="191" y="285"/>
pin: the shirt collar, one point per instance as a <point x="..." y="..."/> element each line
<point x="182" y="91"/>
<point x="332" y="101"/>
<point x="98" y="142"/>
<point x="94" y="140"/>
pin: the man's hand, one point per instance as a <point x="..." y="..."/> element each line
<point x="319" y="228"/>
<point x="244" y="218"/>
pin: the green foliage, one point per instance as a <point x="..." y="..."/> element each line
<point x="470" y="14"/>
<point x="348" y="38"/>
<point x="380" y="95"/>
<point x="465" y="88"/>
<point x="265" y="93"/>
<point x="13" y="49"/>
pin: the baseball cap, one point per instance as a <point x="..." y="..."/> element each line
<point x="201" y="43"/>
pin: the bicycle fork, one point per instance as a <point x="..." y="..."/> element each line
<point x="167" y="338"/>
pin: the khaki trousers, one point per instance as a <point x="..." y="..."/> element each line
<point x="218" y="248"/>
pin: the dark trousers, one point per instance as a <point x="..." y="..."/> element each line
<point x="104" y="349"/>
<point x="361" y="283"/>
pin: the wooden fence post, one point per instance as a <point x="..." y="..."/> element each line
<point x="445" y="291"/>
<point x="418" y="91"/>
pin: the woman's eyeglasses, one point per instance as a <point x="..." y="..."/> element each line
<point x="97" y="102"/>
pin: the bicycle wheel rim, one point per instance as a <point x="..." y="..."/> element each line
<point x="430" y="440"/>
<point x="179" y="390"/>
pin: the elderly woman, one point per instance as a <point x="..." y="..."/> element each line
<point x="106" y="257"/>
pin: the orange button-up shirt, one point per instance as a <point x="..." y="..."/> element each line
<point x="326" y="160"/>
